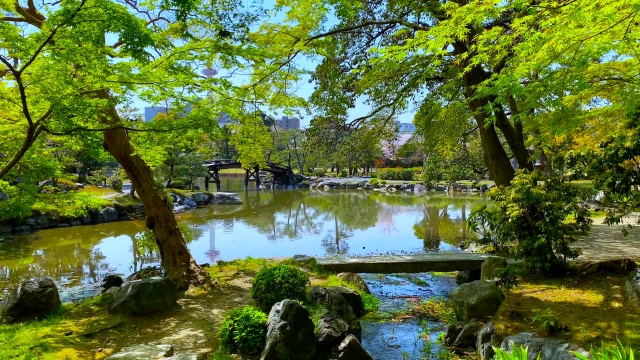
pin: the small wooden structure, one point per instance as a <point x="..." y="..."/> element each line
<point x="214" y="167"/>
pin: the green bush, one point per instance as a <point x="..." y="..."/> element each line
<point x="536" y="219"/>
<point x="279" y="282"/>
<point x="244" y="330"/>
<point x="374" y="175"/>
<point x="383" y="182"/>
<point x="617" y="353"/>
<point x="320" y="172"/>
<point x="373" y="182"/>
<point x="116" y="183"/>
<point x="343" y="173"/>
<point x="398" y="173"/>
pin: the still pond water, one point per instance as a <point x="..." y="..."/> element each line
<point x="268" y="224"/>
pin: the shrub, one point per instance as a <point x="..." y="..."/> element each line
<point x="537" y="218"/>
<point x="279" y="282"/>
<point x="617" y="353"/>
<point x="398" y="173"/>
<point x="507" y="279"/>
<point x="547" y="320"/>
<point x="244" y="330"/>
<point x="383" y="182"/>
<point x="374" y="175"/>
<point x="116" y="183"/>
<point x="343" y="173"/>
<point x="319" y="172"/>
<point x="373" y="182"/>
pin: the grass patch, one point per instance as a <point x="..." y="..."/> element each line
<point x="94" y="190"/>
<point x="595" y="309"/>
<point x="438" y="309"/>
<point x="126" y="200"/>
<point x="227" y="270"/>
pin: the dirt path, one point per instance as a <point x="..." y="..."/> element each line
<point x="608" y="243"/>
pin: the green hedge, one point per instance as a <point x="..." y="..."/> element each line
<point x="399" y="173"/>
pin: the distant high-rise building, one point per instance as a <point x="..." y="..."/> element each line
<point x="287" y="123"/>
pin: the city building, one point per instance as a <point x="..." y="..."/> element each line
<point x="287" y="123"/>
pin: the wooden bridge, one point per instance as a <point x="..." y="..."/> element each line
<point x="214" y="167"/>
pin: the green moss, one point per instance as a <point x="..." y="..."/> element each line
<point x="226" y="270"/>
<point x="437" y="309"/>
<point x="370" y="302"/>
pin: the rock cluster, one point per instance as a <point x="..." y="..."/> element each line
<point x="31" y="299"/>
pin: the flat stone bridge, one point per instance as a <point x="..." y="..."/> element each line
<point x="441" y="262"/>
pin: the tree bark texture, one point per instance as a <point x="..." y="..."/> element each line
<point x="176" y="259"/>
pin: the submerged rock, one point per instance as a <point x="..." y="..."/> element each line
<point x="143" y="351"/>
<point x="549" y="349"/>
<point x="225" y="198"/>
<point x="351" y="349"/>
<point x="145" y="296"/>
<point x="476" y="300"/>
<point x="31" y="299"/>
<point x="290" y="333"/>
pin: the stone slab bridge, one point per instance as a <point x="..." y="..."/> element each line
<point x="391" y="264"/>
<point x="214" y="167"/>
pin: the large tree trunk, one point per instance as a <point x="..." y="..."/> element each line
<point x="176" y="259"/>
<point x="514" y="138"/>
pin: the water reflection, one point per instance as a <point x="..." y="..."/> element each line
<point x="267" y="224"/>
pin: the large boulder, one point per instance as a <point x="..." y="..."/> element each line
<point x="200" y="198"/>
<point x="145" y="296"/>
<point x="331" y="329"/>
<point x="31" y="299"/>
<point x="419" y="189"/>
<point x="351" y="349"/>
<point x="476" y="300"/>
<point x="110" y="281"/>
<point x="190" y="203"/>
<point x="468" y="335"/>
<point x="490" y="265"/>
<point x="484" y="341"/>
<point x="290" y="333"/>
<point x="336" y="305"/>
<point x="143" y="352"/>
<point x="355" y="280"/>
<point x="350" y="296"/>
<point x="225" y="198"/>
<point x="549" y="349"/>
<point x="107" y="215"/>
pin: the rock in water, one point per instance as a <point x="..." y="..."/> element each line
<point x="351" y="349"/>
<point x="289" y="333"/>
<point x="549" y="349"/>
<point x="110" y="281"/>
<point x="31" y="299"/>
<point x="190" y="203"/>
<point x="476" y="300"/>
<point x="419" y="189"/>
<point x="143" y="351"/>
<point x="355" y="280"/>
<point x="225" y="198"/>
<point x="490" y="265"/>
<point x="199" y="198"/>
<point x="145" y="296"/>
<point x="107" y="214"/>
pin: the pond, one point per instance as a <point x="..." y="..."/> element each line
<point x="268" y="224"/>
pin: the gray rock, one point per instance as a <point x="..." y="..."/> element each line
<point x="75" y="222"/>
<point x="352" y="185"/>
<point x="5" y="228"/>
<point x="86" y="221"/>
<point x="484" y="341"/>
<point x="199" y="198"/>
<point x="79" y="186"/>
<point x="290" y="333"/>
<point x="190" y="203"/>
<point x="452" y="333"/>
<point x="476" y="300"/>
<point x="110" y="294"/>
<point x="143" y="351"/>
<point x="351" y="349"/>
<point x="302" y="259"/>
<point x="484" y="188"/>
<point x="107" y="215"/>
<point x="368" y="186"/>
<point x="110" y="281"/>
<point x="225" y="198"/>
<point x="332" y="184"/>
<point x="175" y="198"/>
<point x="124" y="217"/>
<point x="355" y="280"/>
<point x="419" y="189"/>
<point x="45" y="183"/>
<point x="3" y="196"/>
<point x="391" y="189"/>
<point x="337" y="305"/>
<point x="467" y="276"/>
<point x="331" y="329"/>
<point x="490" y="265"/>
<point x="440" y="188"/>
<point x="180" y="208"/>
<point x="327" y="188"/>
<point x="31" y="222"/>
<point x="62" y="225"/>
<point x="350" y="296"/>
<point x="633" y="283"/>
<point x="22" y="229"/>
<point x="549" y="349"/>
<point x="31" y="299"/>
<point x="145" y="296"/>
<point x="468" y="335"/>
<point x="184" y="357"/>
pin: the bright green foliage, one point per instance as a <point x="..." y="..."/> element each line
<point x="244" y="330"/>
<point x="619" y="352"/>
<point x="532" y="218"/>
<point x="399" y="173"/>
<point x="252" y="139"/>
<point x="69" y="206"/>
<point x="276" y="283"/>
<point x="547" y="320"/>
<point x="319" y="172"/>
<point x="507" y="279"/>
<point x="518" y="353"/>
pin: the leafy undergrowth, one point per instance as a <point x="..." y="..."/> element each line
<point x="70" y="205"/>
<point x="594" y="309"/>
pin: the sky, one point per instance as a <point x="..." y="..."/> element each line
<point x="305" y="89"/>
